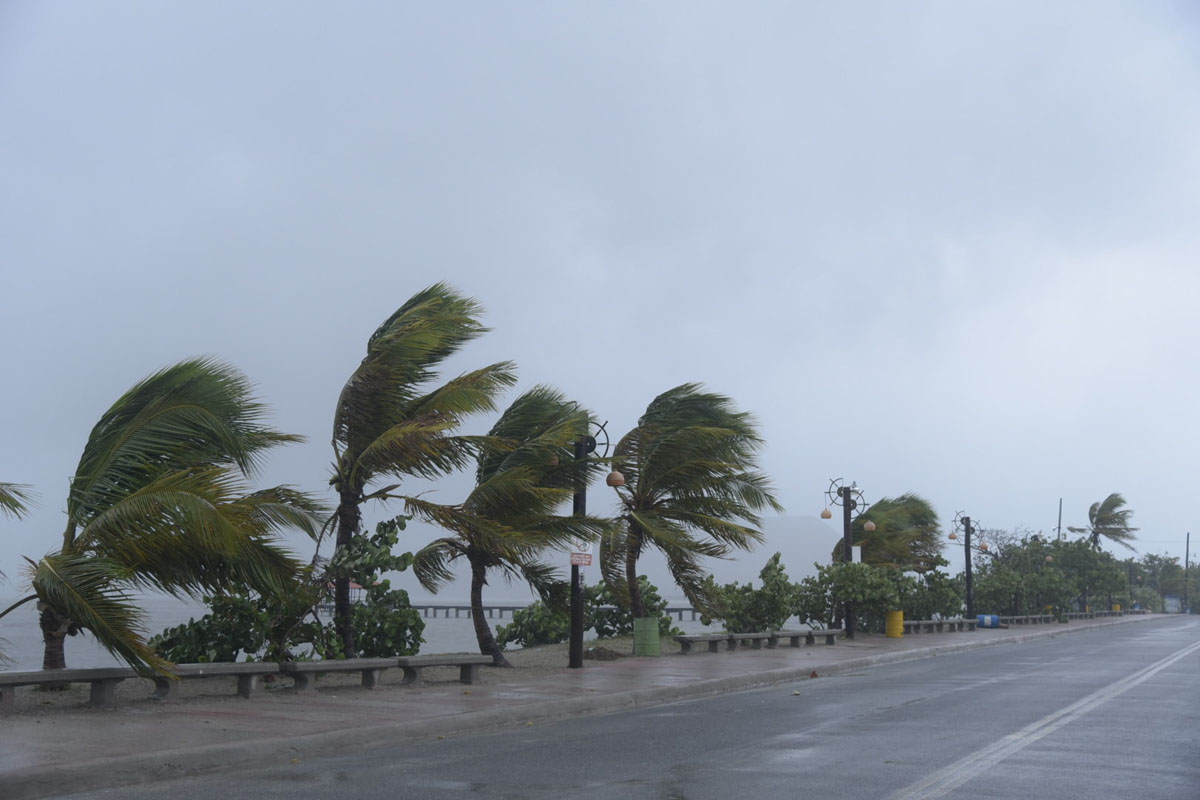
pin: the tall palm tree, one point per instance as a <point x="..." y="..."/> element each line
<point x="391" y="420"/>
<point x="691" y="490"/>
<point x="159" y="500"/>
<point x="1109" y="519"/>
<point x="509" y="520"/>
<point x="906" y="534"/>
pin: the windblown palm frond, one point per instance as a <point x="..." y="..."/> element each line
<point x="198" y="411"/>
<point x="1109" y="519"/>
<point x="906" y="535"/>
<point x="691" y="490"/>
<point x="15" y="499"/>
<point x="87" y="591"/>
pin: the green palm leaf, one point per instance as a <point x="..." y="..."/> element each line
<point x="15" y="499"/>
<point x="87" y="590"/>
<point x="199" y="411"/>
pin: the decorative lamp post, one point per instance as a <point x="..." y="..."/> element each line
<point x="583" y="447"/>
<point x="850" y="498"/>
<point x="963" y="523"/>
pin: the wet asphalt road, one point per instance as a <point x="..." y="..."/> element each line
<point x="1111" y="713"/>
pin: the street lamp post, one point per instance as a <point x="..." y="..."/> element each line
<point x="850" y="498"/>
<point x="584" y="446"/>
<point x="963" y="522"/>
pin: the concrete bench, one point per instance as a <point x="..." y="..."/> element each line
<point x="103" y="682"/>
<point x="713" y="640"/>
<point x="939" y="625"/>
<point x="246" y="672"/>
<point x="754" y="640"/>
<point x="370" y="668"/>
<point x="793" y="637"/>
<point x="468" y="666"/>
<point x="830" y="634"/>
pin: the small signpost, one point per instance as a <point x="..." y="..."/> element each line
<point x="581" y="554"/>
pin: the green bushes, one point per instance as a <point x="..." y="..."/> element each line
<point x="287" y="626"/>
<point x="539" y="623"/>
<point x="745" y="609"/>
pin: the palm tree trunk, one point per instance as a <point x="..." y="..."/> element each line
<point x="54" y="636"/>
<point x="483" y="631"/>
<point x="637" y="606"/>
<point x="349" y="520"/>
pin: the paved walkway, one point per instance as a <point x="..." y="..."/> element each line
<point x="57" y="753"/>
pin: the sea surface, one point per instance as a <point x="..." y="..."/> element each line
<point x="21" y="640"/>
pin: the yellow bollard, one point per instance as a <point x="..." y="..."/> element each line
<point x="894" y="625"/>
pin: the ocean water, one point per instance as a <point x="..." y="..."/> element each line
<point x="21" y="640"/>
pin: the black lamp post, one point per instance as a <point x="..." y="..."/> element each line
<point x="963" y="522"/>
<point x="850" y="498"/>
<point x="584" y="446"/>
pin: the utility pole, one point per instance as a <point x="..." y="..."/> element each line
<point x="1187" y="551"/>
<point x="1058" y="537"/>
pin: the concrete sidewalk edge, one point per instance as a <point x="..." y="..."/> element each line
<point x="44" y="780"/>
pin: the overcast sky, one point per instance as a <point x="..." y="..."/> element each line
<point x="948" y="248"/>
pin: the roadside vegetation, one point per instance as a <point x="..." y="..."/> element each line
<point x="163" y="499"/>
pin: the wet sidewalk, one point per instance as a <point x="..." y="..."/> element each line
<point x="79" y="749"/>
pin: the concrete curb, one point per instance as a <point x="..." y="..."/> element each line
<point x="44" y="781"/>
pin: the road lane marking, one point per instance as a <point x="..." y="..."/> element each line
<point x="950" y="778"/>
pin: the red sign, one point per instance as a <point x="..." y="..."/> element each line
<point x="581" y="559"/>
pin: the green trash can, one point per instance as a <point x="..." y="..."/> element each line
<point x="645" y="636"/>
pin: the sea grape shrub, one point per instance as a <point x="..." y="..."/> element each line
<point x="610" y="619"/>
<point x="539" y="623"/>
<point x="932" y="594"/>
<point x="536" y="624"/>
<point x="385" y="624"/>
<point x="745" y="609"/>
<point x="872" y="591"/>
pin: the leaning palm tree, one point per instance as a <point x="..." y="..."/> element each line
<point x="906" y="534"/>
<point x="160" y="500"/>
<point x="510" y="518"/>
<point x="1108" y="519"/>
<point x="391" y="421"/>
<point x="691" y="490"/>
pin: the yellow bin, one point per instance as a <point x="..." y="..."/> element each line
<point x="894" y="624"/>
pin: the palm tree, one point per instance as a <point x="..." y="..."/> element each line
<point x="509" y="518"/>
<point x="390" y="420"/>
<point x="1109" y="519"/>
<point x="691" y="490"/>
<point x="906" y="534"/>
<point x="159" y="501"/>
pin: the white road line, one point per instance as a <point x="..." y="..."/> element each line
<point x="946" y="780"/>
